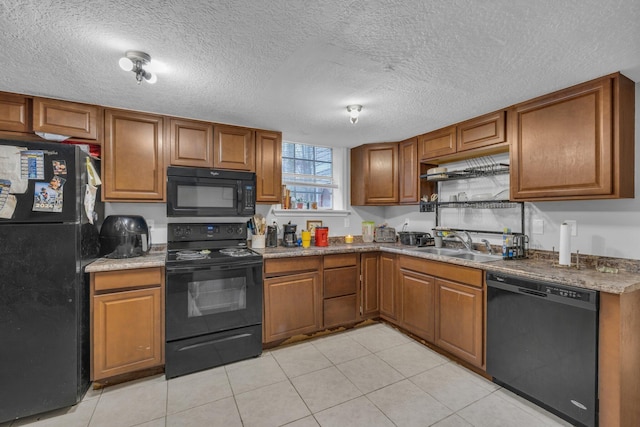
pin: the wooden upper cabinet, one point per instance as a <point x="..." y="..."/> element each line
<point x="374" y="174"/>
<point x="577" y="143"/>
<point x="133" y="159"/>
<point x="409" y="171"/>
<point x="65" y="118"/>
<point x="234" y="148"/>
<point x="482" y="131"/>
<point x="268" y="167"/>
<point x="14" y="113"/>
<point x="191" y="143"/>
<point x="438" y="143"/>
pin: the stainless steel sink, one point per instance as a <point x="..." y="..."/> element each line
<point x="439" y="251"/>
<point x="460" y="253"/>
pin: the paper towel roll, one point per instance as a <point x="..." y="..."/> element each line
<point x="565" y="244"/>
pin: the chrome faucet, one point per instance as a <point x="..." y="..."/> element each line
<point x="488" y="246"/>
<point x="464" y="237"/>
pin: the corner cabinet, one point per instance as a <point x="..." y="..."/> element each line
<point x="191" y="143"/>
<point x="234" y="148"/>
<point x="374" y="174"/>
<point x="576" y="143"/>
<point x="268" y="167"/>
<point x="127" y="326"/>
<point x="133" y="157"/>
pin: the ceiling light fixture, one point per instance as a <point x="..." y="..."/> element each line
<point x="354" y="112"/>
<point x="134" y="60"/>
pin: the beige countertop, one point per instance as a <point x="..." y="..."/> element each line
<point x="536" y="269"/>
<point x="155" y="258"/>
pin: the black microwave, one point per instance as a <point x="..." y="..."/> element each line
<point x="204" y="192"/>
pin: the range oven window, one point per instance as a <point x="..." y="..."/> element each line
<point x="203" y="300"/>
<point x="206" y="196"/>
<point x="216" y="296"/>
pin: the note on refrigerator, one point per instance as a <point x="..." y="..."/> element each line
<point x="10" y="168"/>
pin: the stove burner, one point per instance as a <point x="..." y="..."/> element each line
<point x="236" y="252"/>
<point x="191" y="255"/>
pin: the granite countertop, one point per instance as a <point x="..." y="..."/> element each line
<point x="536" y="269"/>
<point x="155" y="258"/>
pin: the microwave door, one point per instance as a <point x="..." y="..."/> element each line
<point x="201" y="197"/>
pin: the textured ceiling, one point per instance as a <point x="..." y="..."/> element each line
<point x="295" y="65"/>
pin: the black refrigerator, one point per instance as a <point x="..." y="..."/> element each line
<point x="44" y="293"/>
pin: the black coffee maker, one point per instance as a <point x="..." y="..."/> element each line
<point x="289" y="237"/>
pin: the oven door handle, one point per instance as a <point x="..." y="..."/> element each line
<point x="210" y="267"/>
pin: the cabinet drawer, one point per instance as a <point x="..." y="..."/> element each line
<point x="467" y="275"/>
<point x="275" y="267"/>
<point x="143" y="277"/>
<point x="340" y="281"/>
<point x="340" y="311"/>
<point x="341" y="260"/>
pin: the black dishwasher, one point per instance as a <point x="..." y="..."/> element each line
<point x="542" y="343"/>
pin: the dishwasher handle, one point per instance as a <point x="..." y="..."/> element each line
<point x="530" y="292"/>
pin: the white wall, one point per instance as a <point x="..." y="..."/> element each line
<point x="605" y="227"/>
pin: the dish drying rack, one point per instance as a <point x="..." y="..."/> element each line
<point x="477" y="167"/>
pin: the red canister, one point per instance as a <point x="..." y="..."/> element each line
<point x="322" y="236"/>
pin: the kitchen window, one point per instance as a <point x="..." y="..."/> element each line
<point x="312" y="173"/>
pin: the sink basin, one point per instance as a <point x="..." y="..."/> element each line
<point x="460" y="253"/>
<point x="477" y="257"/>
<point x="439" y="251"/>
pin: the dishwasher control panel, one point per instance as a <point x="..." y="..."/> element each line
<point x="567" y="293"/>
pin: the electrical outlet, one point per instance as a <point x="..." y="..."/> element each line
<point x="406" y="222"/>
<point x="150" y="224"/>
<point x="574" y="226"/>
<point x="538" y="226"/>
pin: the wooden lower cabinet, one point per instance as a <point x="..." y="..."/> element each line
<point x="459" y="319"/>
<point x="341" y="282"/>
<point x="127" y="326"/>
<point x="417" y="296"/>
<point x="388" y="284"/>
<point x="369" y="306"/>
<point x="292" y="305"/>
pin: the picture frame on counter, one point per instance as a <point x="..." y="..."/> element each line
<point x="312" y="224"/>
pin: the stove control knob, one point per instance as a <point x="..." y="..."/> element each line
<point x="177" y="232"/>
<point x="239" y="230"/>
<point x="229" y="230"/>
<point x="187" y="231"/>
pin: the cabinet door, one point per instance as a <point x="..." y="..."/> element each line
<point x="482" y="131"/>
<point x="133" y="157"/>
<point x="127" y="332"/>
<point x="460" y="320"/>
<point x="293" y="305"/>
<point x="369" y="285"/>
<point x="268" y="167"/>
<point x="234" y="148"/>
<point x="564" y="146"/>
<point x="374" y="174"/>
<point x="65" y="118"/>
<point x="417" y="293"/>
<point x="14" y="113"/>
<point x="340" y="310"/>
<point x="437" y="143"/>
<point x="389" y="301"/>
<point x="191" y="143"/>
<point x="409" y="171"/>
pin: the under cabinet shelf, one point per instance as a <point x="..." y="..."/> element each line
<point x="472" y="172"/>
<point x="475" y="204"/>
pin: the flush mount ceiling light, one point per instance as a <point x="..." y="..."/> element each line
<point x="134" y="60"/>
<point x="354" y="112"/>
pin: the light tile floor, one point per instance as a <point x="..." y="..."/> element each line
<point x="370" y="376"/>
